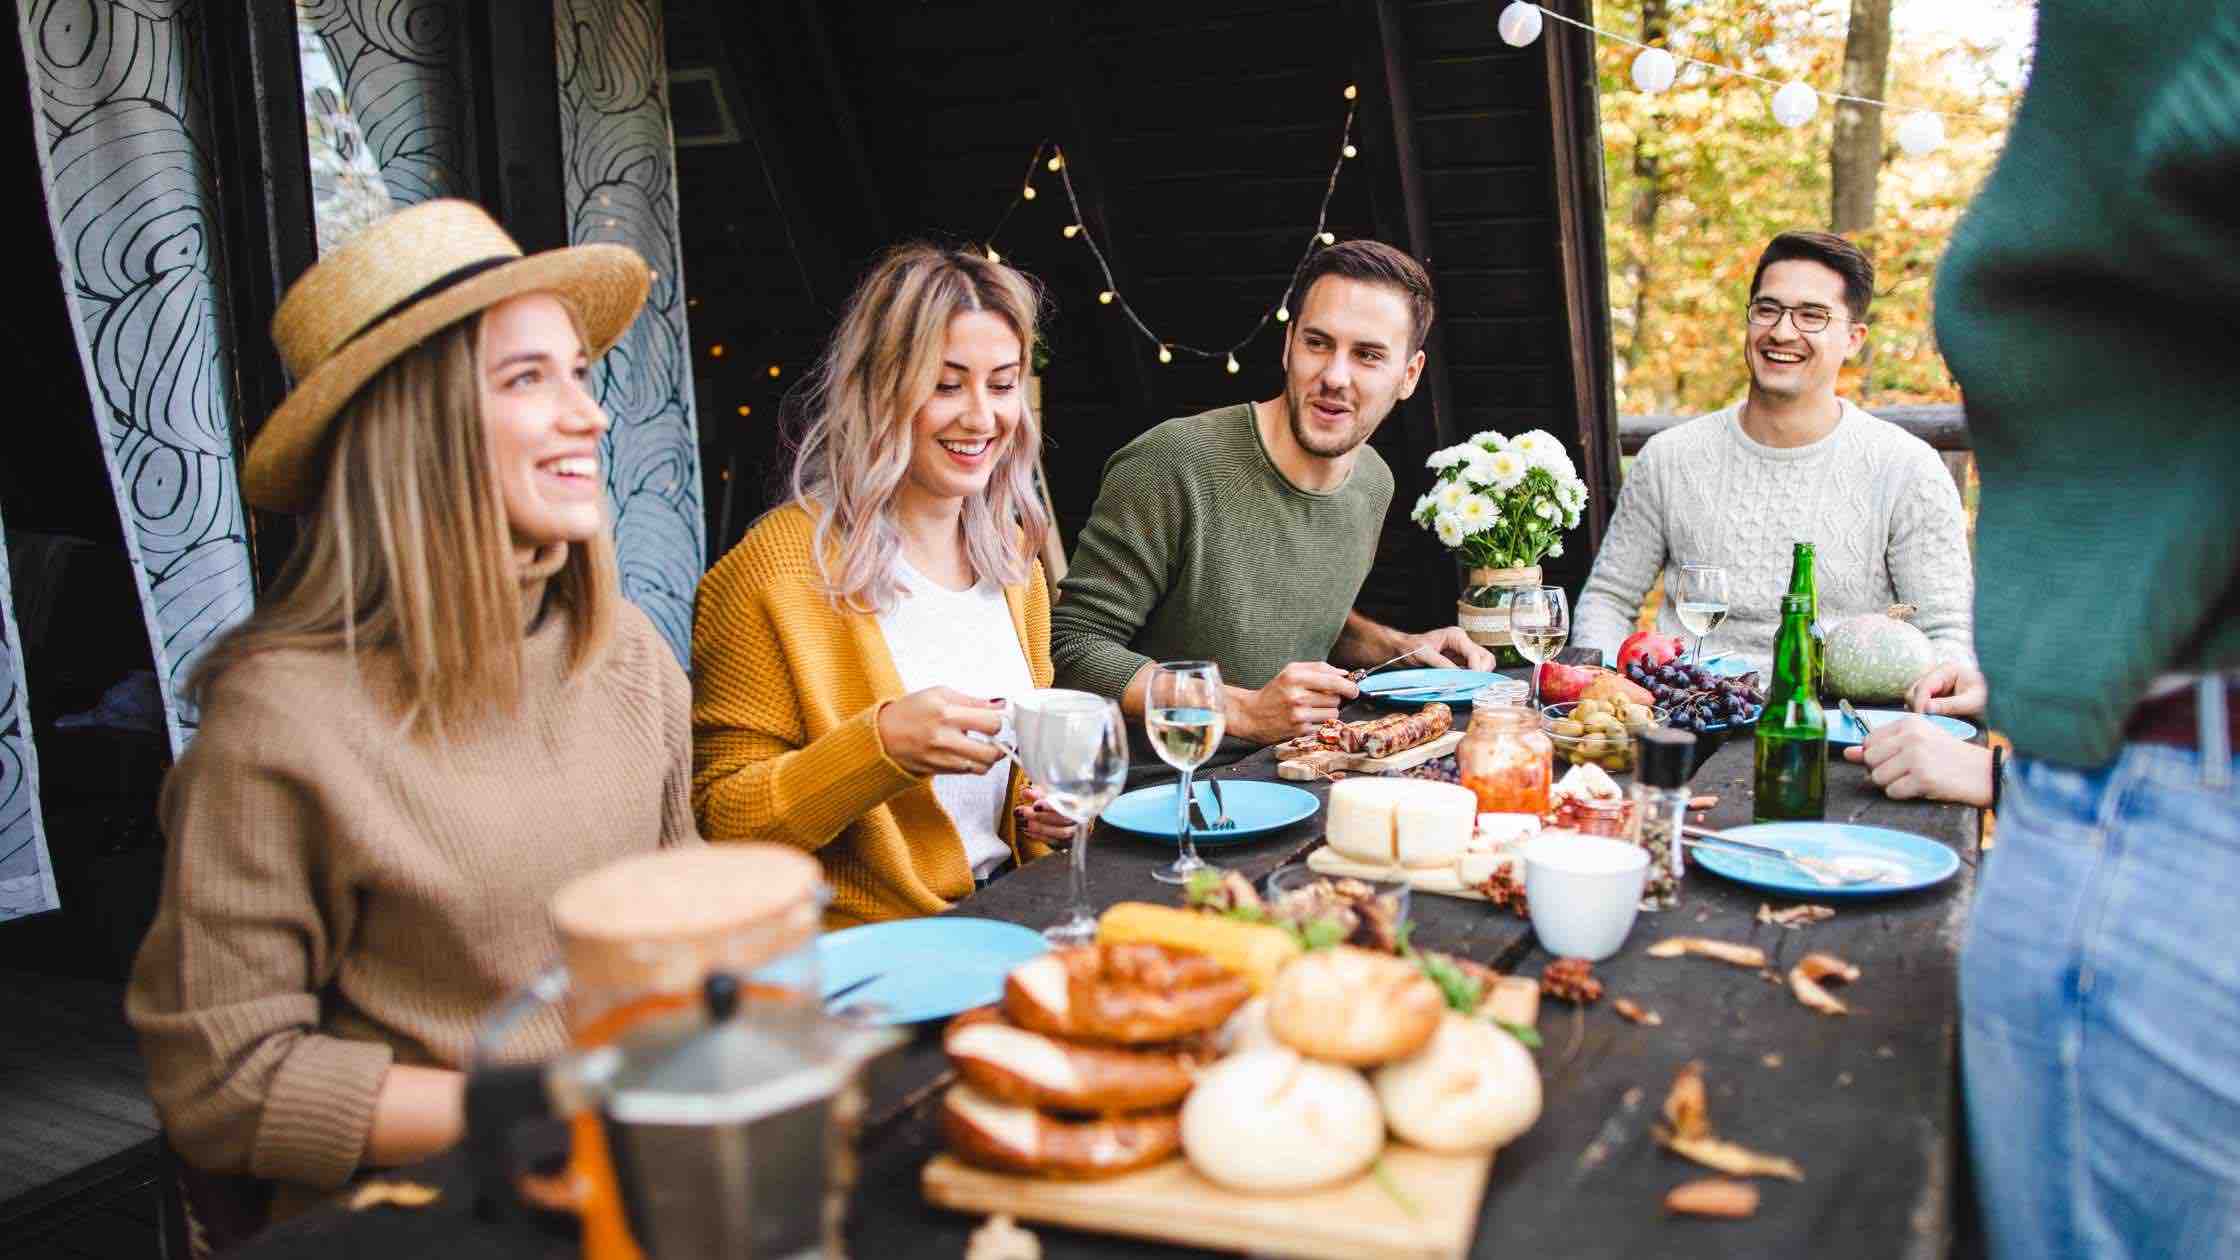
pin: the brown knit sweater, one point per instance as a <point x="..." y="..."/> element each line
<point x="338" y="896"/>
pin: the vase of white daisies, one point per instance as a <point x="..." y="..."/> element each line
<point x="1501" y="504"/>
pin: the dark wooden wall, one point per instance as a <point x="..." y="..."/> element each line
<point x="1199" y="135"/>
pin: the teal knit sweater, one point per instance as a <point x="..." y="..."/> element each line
<point x="2090" y="308"/>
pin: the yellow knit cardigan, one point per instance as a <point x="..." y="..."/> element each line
<point x="785" y="737"/>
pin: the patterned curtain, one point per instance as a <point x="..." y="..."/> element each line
<point x="26" y="876"/>
<point x="122" y="128"/>
<point x="621" y="186"/>
<point x="395" y="135"/>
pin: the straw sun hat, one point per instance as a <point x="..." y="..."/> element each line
<point x="390" y="287"/>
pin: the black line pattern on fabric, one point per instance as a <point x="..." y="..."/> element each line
<point x="621" y="187"/>
<point x="26" y="873"/>
<point x="398" y="60"/>
<point x="123" y="138"/>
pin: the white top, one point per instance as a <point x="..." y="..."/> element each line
<point x="1875" y="501"/>
<point x="963" y="640"/>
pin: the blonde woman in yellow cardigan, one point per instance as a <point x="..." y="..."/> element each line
<point x="851" y="655"/>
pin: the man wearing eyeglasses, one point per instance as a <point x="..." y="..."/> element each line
<point x="1791" y="462"/>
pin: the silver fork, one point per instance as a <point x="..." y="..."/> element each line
<point x="1223" y="823"/>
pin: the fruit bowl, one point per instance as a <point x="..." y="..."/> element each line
<point x="1604" y="735"/>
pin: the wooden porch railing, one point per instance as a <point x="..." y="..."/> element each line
<point x="1944" y="426"/>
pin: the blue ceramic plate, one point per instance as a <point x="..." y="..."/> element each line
<point x="1256" y="809"/>
<point x="1729" y="666"/>
<point x="1842" y="732"/>
<point x="926" y="968"/>
<point x="1414" y="688"/>
<point x="1919" y="861"/>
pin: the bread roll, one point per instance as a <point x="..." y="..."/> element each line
<point x="1473" y="1088"/>
<point x="1246" y="1030"/>
<point x="1269" y="1121"/>
<point x="980" y="1130"/>
<point x="1010" y="1064"/>
<point x="1132" y="994"/>
<point x="1354" y="1006"/>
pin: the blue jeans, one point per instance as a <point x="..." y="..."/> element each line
<point x="2100" y="1008"/>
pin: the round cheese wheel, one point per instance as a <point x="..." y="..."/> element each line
<point x="1272" y="1121"/>
<point x="1413" y="821"/>
<point x="1473" y="1088"/>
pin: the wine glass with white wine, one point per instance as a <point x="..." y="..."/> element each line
<point x="1075" y="745"/>
<point x="1701" y="601"/>
<point x="1182" y="714"/>
<point x="1540" y="624"/>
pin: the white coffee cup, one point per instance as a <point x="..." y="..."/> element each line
<point x="1584" y="892"/>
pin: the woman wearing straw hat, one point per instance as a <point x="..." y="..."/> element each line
<point x="851" y="654"/>
<point x="441" y="712"/>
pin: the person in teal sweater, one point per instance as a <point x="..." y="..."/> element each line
<point x="2087" y="306"/>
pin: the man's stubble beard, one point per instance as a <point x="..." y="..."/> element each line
<point x="1295" y="411"/>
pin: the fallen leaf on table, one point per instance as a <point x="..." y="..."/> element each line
<point x="1704" y="946"/>
<point x="1685" y="1108"/>
<point x="1805" y="978"/>
<point x="406" y="1194"/>
<point x="1794" y="916"/>
<point x="1715" y="1197"/>
<point x="1632" y="1010"/>
<point x="1703" y="802"/>
<point x="1687" y="1132"/>
<point x="1721" y="1155"/>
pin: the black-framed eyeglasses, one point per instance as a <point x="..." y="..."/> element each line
<point x="1765" y="313"/>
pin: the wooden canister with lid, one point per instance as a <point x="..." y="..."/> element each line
<point x="654" y="926"/>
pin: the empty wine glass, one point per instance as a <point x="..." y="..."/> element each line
<point x="1539" y="623"/>
<point x="1075" y="745"/>
<point x="1700" y="601"/>
<point x="1182" y="713"/>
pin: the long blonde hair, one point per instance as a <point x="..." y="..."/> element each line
<point x="407" y="562"/>
<point x="854" y="414"/>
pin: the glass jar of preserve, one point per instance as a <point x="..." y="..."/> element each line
<point x="1506" y="759"/>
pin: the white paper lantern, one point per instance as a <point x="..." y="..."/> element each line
<point x="1921" y="134"/>
<point x="1654" y="70"/>
<point x="1794" y="105"/>
<point x="1520" y="23"/>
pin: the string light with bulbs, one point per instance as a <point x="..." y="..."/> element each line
<point x="1919" y="133"/>
<point x="1077" y="228"/>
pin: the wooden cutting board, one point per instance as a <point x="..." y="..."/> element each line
<point x="1431" y="879"/>
<point x="1405" y="759"/>
<point x="1171" y="1203"/>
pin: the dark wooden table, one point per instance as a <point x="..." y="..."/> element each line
<point x="1866" y="1103"/>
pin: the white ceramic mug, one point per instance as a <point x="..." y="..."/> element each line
<point x="1584" y="892"/>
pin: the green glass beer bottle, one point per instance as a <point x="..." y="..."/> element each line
<point x="1792" y="780"/>
<point x="1803" y="581"/>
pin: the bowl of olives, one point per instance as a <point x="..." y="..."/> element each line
<point x="1598" y="731"/>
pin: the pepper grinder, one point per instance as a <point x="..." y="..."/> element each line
<point x="1660" y="807"/>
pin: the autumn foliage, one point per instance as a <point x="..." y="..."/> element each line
<point x="1700" y="176"/>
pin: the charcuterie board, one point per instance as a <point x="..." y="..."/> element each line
<point x="1356" y="763"/>
<point x="1171" y="1203"/>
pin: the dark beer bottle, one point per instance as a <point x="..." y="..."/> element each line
<point x="1792" y="780"/>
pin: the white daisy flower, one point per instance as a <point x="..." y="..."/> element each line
<point x="1506" y="467"/>
<point x="1475" y="512"/>
<point x="1546" y="510"/>
<point x="1448" y="456"/>
<point x="1489" y="441"/>
<point x="1451" y="532"/>
<point x="1555" y="549"/>
<point x="1478" y="468"/>
<point x="1448" y="494"/>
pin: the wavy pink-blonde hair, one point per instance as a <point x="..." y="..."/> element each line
<point x="855" y="410"/>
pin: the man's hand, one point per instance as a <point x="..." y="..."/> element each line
<point x="1952" y="687"/>
<point x="1304" y="695"/>
<point x="1446" y="647"/>
<point x="1911" y="758"/>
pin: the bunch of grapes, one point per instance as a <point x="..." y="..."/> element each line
<point x="1438" y="770"/>
<point x="1696" y="698"/>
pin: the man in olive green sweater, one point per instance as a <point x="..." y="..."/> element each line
<point x="2087" y="307"/>
<point x="1242" y="535"/>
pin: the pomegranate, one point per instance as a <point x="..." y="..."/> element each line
<point x="1655" y="650"/>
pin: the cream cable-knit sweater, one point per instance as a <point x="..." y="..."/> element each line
<point x="1876" y="503"/>
<point x="338" y="897"/>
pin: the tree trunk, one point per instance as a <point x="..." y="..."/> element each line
<point x="1648" y="195"/>
<point x="1857" y="160"/>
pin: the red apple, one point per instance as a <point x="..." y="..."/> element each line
<point x="1655" y="650"/>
